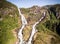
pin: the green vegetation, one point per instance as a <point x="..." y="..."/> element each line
<point x="8" y="22"/>
<point x="25" y="10"/>
<point x="45" y="36"/>
<point x="48" y="30"/>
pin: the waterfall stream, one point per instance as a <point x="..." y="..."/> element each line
<point x="24" y="22"/>
<point x="34" y="29"/>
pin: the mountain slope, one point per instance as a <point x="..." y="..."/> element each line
<point x="9" y="18"/>
<point x="48" y="28"/>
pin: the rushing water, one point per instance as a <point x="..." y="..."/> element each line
<point x="34" y="29"/>
<point x="24" y="22"/>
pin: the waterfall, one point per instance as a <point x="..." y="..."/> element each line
<point x="34" y="29"/>
<point x="24" y="22"/>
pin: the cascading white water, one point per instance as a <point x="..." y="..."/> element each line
<point x="24" y="22"/>
<point x="34" y="29"/>
<point x="32" y="33"/>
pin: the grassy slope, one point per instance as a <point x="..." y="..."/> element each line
<point x="9" y="15"/>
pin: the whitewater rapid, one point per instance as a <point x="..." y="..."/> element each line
<point x="24" y="22"/>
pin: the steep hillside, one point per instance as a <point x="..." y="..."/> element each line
<point x="9" y="22"/>
<point x="54" y="12"/>
<point x="48" y="29"/>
